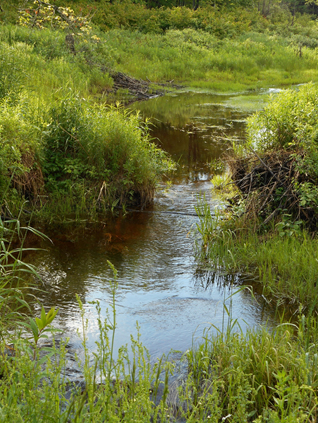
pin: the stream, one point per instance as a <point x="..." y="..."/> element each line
<point x="160" y="284"/>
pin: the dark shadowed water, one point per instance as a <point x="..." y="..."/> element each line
<point x="160" y="285"/>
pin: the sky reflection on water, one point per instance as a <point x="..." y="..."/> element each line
<point x="160" y="285"/>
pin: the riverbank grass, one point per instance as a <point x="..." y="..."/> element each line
<point x="284" y="261"/>
<point x="270" y="228"/>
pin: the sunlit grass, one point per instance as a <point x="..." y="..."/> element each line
<point x="284" y="261"/>
<point x="218" y="65"/>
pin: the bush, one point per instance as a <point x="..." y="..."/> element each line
<point x="288" y="122"/>
<point x="81" y="154"/>
<point x="103" y="146"/>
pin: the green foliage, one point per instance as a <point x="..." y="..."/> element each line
<point x="97" y="153"/>
<point x="286" y="227"/>
<point x="289" y="122"/>
<point x="106" y="147"/>
<point x="40" y="326"/>
<point x="235" y="244"/>
<point x="41" y="15"/>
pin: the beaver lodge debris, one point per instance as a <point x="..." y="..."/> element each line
<point x="29" y="182"/>
<point x="268" y="185"/>
<point x="141" y="90"/>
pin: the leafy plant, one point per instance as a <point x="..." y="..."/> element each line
<point x="40" y="326"/>
<point x="288" y="227"/>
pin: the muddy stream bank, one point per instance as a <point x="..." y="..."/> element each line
<point x="160" y="284"/>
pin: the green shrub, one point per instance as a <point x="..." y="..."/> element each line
<point x="289" y="121"/>
<point x="103" y="146"/>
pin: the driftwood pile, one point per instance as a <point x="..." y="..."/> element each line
<point x="141" y="90"/>
<point x="30" y="182"/>
<point x="267" y="183"/>
<point x="137" y="87"/>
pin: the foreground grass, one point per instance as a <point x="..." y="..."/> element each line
<point x="253" y="376"/>
<point x="258" y="376"/>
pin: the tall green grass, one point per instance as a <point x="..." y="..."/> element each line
<point x="283" y="260"/>
<point x="201" y="59"/>
<point x="58" y="146"/>
<point x="258" y="376"/>
<point x="76" y="158"/>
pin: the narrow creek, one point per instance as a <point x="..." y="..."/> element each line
<point x="160" y="285"/>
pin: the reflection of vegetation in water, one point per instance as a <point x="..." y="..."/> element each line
<point x="195" y="128"/>
<point x="179" y="109"/>
<point x="248" y="102"/>
<point x="207" y="279"/>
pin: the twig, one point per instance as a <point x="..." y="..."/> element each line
<point x="268" y="168"/>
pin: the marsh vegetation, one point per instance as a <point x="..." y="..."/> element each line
<point x="68" y="151"/>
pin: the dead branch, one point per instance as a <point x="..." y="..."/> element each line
<point x="267" y="183"/>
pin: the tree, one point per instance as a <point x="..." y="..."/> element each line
<point x="42" y="14"/>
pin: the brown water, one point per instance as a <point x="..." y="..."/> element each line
<point x="160" y="285"/>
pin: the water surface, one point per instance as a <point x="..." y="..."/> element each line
<point x="160" y="285"/>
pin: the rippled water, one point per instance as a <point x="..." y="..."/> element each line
<point x="160" y="285"/>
